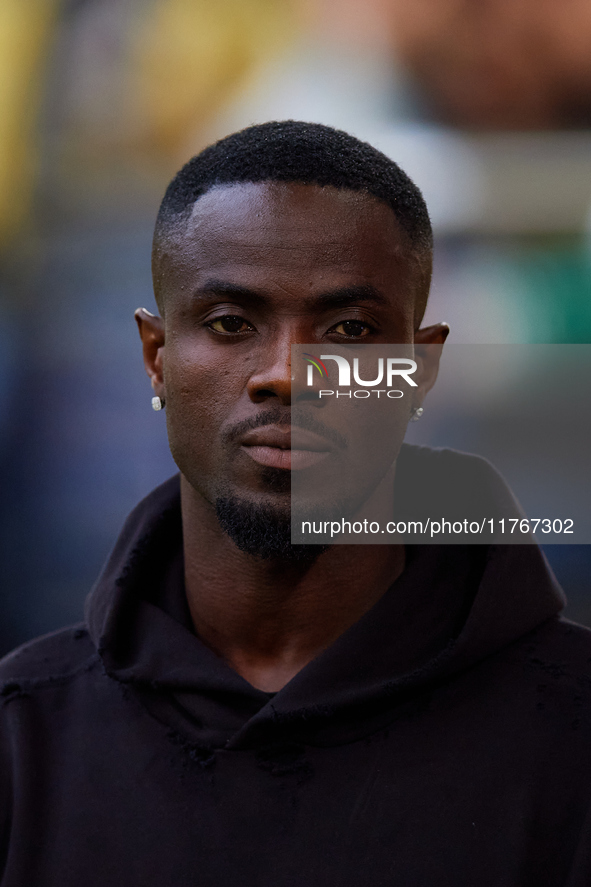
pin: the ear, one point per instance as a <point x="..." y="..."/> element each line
<point x="428" y="347"/>
<point x="151" y="329"/>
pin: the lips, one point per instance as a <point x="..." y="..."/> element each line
<point x="279" y="446"/>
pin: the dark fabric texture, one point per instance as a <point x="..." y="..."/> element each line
<point x="444" y="739"/>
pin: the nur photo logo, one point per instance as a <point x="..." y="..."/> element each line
<point x="389" y="370"/>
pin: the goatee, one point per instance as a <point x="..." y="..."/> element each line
<point x="262" y="531"/>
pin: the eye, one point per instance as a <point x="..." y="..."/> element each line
<point x="230" y="323"/>
<point x="352" y="329"/>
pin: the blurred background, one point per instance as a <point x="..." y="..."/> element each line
<point x="485" y="103"/>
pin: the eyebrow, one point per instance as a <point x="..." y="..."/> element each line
<point x="224" y="288"/>
<point x="340" y="297"/>
<point x="343" y="296"/>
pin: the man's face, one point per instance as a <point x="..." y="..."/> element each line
<point x="260" y="267"/>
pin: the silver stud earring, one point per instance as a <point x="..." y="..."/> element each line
<point x="416" y="414"/>
<point x="157" y="403"/>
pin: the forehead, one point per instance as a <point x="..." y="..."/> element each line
<point x="285" y="229"/>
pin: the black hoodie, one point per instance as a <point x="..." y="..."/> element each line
<point x="444" y="739"/>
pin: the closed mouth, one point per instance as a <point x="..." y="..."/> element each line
<point x="285" y="447"/>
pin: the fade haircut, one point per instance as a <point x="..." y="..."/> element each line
<point x="304" y="153"/>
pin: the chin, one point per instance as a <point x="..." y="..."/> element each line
<point x="276" y="480"/>
<point x="262" y="530"/>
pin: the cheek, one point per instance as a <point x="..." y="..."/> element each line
<point x="200" y="396"/>
<point x="192" y="409"/>
<point x="196" y="380"/>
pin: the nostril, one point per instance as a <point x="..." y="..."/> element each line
<point x="265" y="392"/>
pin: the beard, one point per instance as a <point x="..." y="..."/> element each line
<point x="262" y="531"/>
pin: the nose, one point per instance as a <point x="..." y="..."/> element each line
<point x="272" y="378"/>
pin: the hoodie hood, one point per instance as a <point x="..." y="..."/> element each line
<point x="452" y="607"/>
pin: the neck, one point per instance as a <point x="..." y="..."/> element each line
<point x="267" y="618"/>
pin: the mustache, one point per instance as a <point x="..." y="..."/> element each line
<point x="282" y="416"/>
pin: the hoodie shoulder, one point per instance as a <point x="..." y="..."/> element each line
<point x="49" y="659"/>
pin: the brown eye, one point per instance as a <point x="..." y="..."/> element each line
<point x="230" y="323"/>
<point x="354" y="329"/>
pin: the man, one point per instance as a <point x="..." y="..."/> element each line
<point x="239" y="710"/>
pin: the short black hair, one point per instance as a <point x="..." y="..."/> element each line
<point x="306" y="153"/>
